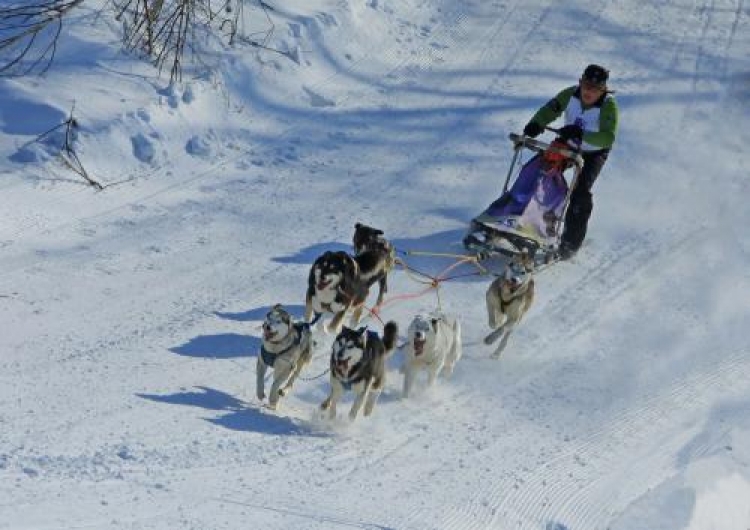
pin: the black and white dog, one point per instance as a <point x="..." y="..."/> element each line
<point x="286" y="348"/>
<point x="339" y="282"/>
<point x="358" y="363"/>
<point x="334" y="286"/>
<point x="434" y="345"/>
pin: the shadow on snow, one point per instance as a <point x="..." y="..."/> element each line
<point x="239" y="416"/>
<point x="222" y="346"/>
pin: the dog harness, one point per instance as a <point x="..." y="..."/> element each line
<point x="269" y="357"/>
<point x="516" y="294"/>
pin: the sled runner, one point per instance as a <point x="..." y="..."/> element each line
<point x="528" y="215"/>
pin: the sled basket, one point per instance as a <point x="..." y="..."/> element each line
<point x="528" y="216"/>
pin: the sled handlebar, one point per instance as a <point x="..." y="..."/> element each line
<point x="519" y="141"/>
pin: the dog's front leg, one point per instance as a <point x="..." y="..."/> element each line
<point x="362" y="389"/>
<point x="434" y="371"/>
<point x="492" y="309"/>
<point x="454" y="354"/>
<point x="260" y="375"/>
<point x="372" y="398"/>
<point x="330" y="402"/>
<point x="409" y="372"/>
<point x="281" y="370"/>
<point x="382" y="289"/>
<point x="357" y="315"/>
<point x="295" y="374"/>
<point x="494" y="335"/>
<point x="503" y="342"/>
<point x="334" y="326"/>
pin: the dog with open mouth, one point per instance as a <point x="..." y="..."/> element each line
<point x="286" y="348"/>
<point x="434" y="346"/>
<point x="508" y="298"/>
<point x="358" y="358"/>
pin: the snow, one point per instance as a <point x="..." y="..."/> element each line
<point x="131" y="316"/>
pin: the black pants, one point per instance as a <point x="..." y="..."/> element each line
<point x="581" y="202"/>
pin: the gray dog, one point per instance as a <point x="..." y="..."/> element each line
<point x="509" y="297"/>
<point x="287" y="348"/>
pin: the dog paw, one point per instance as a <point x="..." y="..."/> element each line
<point x="492" y="337"/>
<point x="261" y="396"/>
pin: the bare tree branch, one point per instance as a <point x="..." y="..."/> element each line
<point x="162" y="30"/>
<point x="29" y="33"/>
<point x="67" y="151"/>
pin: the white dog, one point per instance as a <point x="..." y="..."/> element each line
<point x="434" y="345"/>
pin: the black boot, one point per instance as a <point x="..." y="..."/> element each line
<point x="565" y="251"/>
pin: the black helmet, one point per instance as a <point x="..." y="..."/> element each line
<point x="596" y="75"/>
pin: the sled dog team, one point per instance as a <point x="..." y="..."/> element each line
<point x="339" y="283"/>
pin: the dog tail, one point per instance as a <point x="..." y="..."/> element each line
<point x="390" y="335"/>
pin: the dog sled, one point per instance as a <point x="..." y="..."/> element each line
<point x="529" y="214"/>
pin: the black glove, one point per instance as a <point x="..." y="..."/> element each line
<point x="571" y="132"/>
<point x="533" y="129"/>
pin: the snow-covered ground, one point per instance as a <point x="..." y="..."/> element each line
<point x="130" y="316"/>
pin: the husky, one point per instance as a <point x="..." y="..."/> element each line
<point x="358" y="363"/>
<point x="286" y="348"/>
<point x="434" y="345"/>
<point x="339" y="282"/>
<point x="370" y="244"/>
<point x="509" y="297"/>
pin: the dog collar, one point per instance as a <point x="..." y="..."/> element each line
<point x="269" y="357"/>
